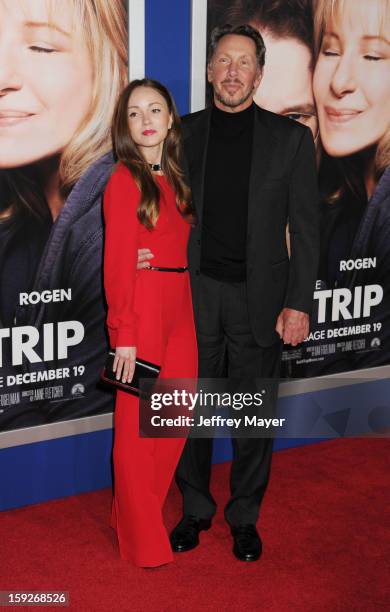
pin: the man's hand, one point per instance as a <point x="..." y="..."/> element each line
<point x="144" y="255"/>
<point x="124" y="363"/>
<point x="292" y="326"/>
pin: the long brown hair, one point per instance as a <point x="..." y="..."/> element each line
<point x="128" y="153"/>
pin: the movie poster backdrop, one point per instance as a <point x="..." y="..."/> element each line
<point x="63" y="65"/>
<point x="328" y="67"/>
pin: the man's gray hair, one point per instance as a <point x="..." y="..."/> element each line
<point x="240" y="30"/>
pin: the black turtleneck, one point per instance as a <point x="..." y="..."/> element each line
<point x="225" y="208"/>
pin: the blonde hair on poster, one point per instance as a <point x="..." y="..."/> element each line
<point x="103" y="26"/>
<point x="331" y="10"/>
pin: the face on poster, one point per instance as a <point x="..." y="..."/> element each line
<point x="328" y="66"/>
<point x="352" y="78"/>
<point x="62" y="66"/>
<point x="49" y="81"/>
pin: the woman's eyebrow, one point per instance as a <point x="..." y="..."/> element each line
<point x="381" y="38"/>
<point x="331" y="34"/>
<point x="45" y="24"/>
<point x="150" y="104"/>
<point x="366" y="37"/>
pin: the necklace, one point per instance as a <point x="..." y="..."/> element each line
<point x="155" y="167"/>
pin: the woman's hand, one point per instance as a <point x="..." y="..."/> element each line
<point x="124" y="363"/>
<point x="144" y="256"/>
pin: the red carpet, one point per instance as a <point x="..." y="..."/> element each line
<point x="325" y="528"/>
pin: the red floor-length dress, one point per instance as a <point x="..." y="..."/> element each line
<point x="153" y="311"/>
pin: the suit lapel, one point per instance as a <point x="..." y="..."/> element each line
<point x="196" y="150"/>
<point x="262" y="153"/>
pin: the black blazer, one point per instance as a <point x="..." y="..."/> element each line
<point x="283" y="189"/>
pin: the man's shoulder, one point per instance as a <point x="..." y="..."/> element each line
<point x="281" y="124"/>
<point x="191" y="118"/>
<point x="191" y="121"/>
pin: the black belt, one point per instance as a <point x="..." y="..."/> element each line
<point x="159" y="269"/>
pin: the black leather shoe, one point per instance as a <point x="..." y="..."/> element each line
<point x="247" y="543"/>
<point x="185" y="535"/>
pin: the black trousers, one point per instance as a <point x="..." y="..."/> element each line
<point x="227" y="348"/>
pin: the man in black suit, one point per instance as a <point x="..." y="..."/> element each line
<point x="251" y="173"/>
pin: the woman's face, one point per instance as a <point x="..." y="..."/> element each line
<point x="148" y="118"/>
<point x="352" y="81"/>
<point x="45" y="80"/>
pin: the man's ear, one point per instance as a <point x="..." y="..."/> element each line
<point x="258" y="78"/>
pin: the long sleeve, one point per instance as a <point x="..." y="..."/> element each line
<point x="121" y="199"/>
<point x="303" y="227"/>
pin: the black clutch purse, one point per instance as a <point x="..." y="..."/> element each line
<point x="143" y="370"/>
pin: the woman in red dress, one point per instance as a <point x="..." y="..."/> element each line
<point x="146" y="204"/>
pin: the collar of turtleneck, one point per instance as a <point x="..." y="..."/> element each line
<point x="240" y="117"/>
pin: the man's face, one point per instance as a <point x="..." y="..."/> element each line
<point x="234" y="73"/>
<point x="286" y="86"/>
